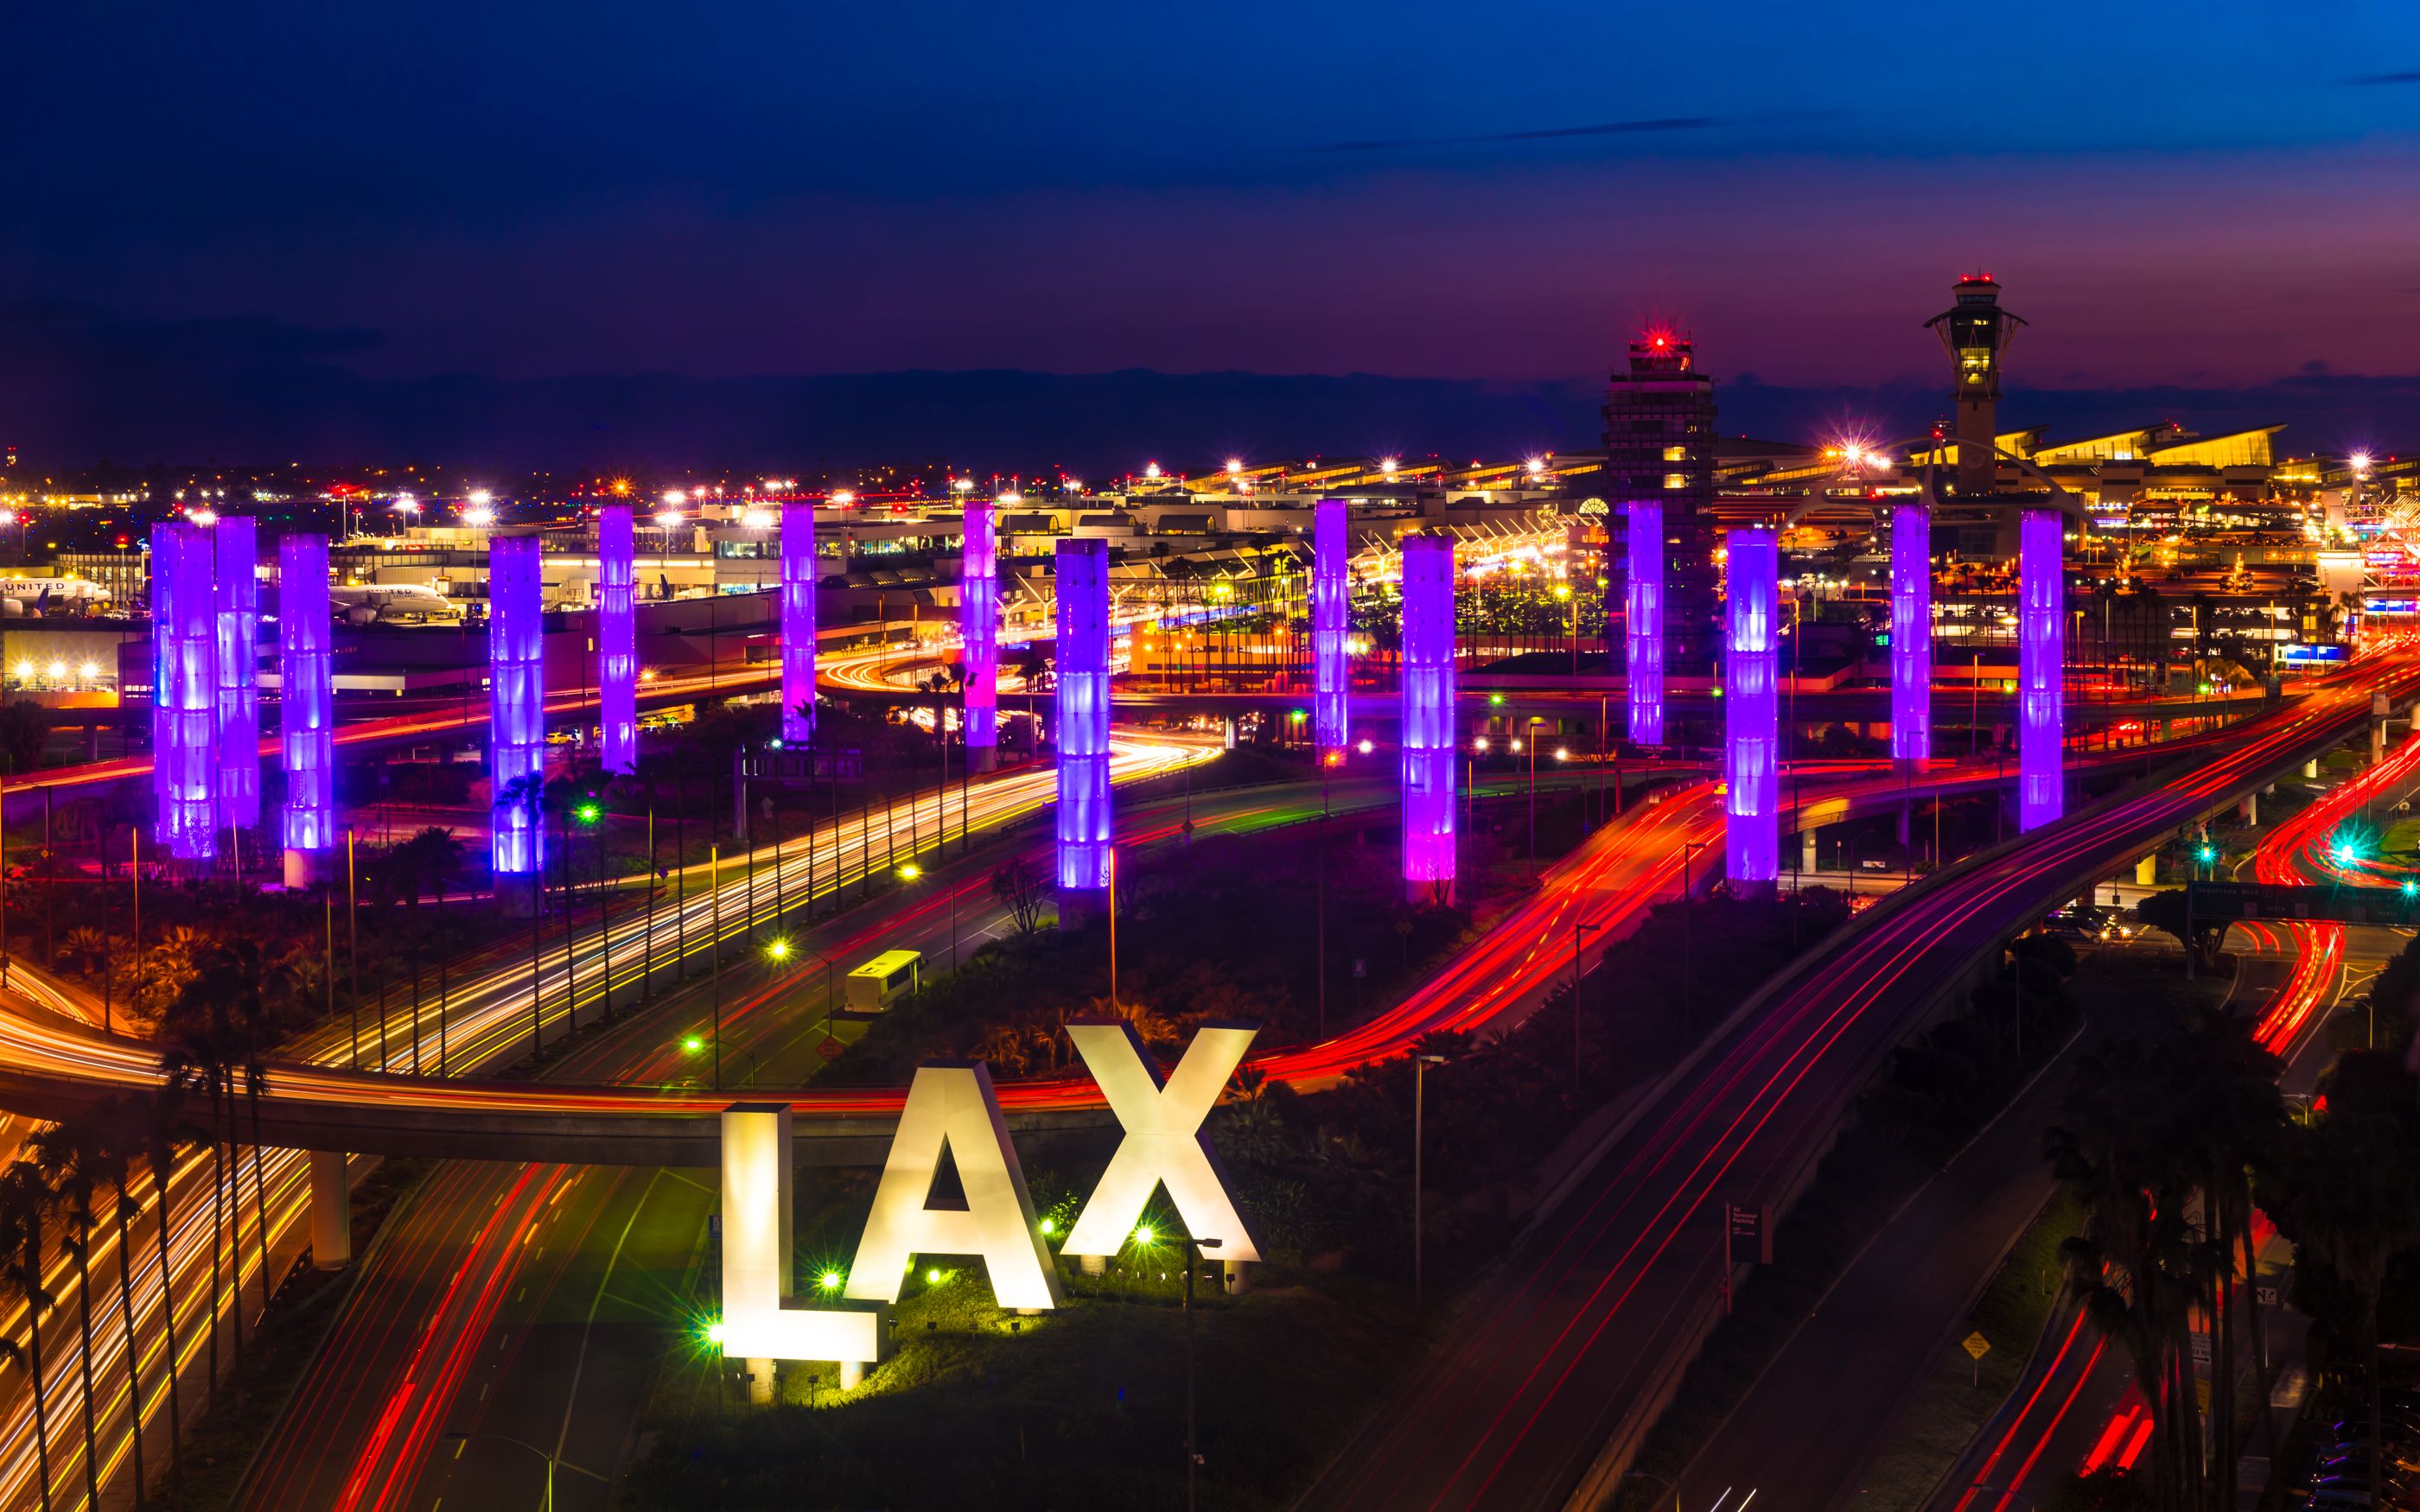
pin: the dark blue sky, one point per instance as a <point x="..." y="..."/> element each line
<point x="2215" y="194"/>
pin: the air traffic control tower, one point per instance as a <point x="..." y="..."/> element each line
<point x="1975" y="333"/>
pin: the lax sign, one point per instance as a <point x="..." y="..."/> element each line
<point x="951" y="1105"/>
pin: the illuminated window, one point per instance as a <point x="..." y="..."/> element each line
<point x="1676" y="480"/>
<point x="1676" y="453"/>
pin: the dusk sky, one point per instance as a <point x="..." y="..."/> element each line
<point x="2217" y="194"/>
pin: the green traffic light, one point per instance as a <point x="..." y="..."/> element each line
<point x="1495" y="698"/>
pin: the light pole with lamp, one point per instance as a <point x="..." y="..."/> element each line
<point x="1420" y="1064"/>
<point x="1687" y="966"/>
<point x="909" y="871"/>
<point x="1580" y="929"/>
<point x="1193" y="1252"/>
<point x="552" y="1461"/>
<point x="1534" y="722"/>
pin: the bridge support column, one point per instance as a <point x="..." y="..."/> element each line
<point x="2311" y="769"/>
<point x="1227" y="727"/>
<point x="1238" y="1276"/>
<point x="852" y="1374"/>
<point x="1806" y="849"/>
<point x="310" y="868"/>
<point x="1094" y="1264"/>
<point x="2252" y="809"/>
<point x="2147" y="871"/>
<point x="760" y="1382"/>
<point x="332" y="1210"/>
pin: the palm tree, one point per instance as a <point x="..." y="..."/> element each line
<point x="2346" y="1189"/>
<point x="2116" y="1152"/>
<point x="199" y="1057"/>
<point x="161" y="1119"/>
<point x="122" y="1128"/>
<point x="70" y="1158"/>
<point x="526" y="794"/>
<point x="25" y="1201"/>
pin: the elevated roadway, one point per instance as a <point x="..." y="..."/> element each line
<point x="1542" y="1388"/>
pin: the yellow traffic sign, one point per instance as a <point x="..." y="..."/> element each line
<point x="1978" y="1346"/>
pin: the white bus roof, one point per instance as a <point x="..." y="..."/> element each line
<point x="887" y="963"/>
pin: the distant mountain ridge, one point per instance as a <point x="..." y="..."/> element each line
<point x="73" y="393"/>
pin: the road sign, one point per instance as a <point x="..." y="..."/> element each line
<point x="831" y="1048"/>
<point x="1975" y="1345"/>
<point x="2267" y="1293"/>
<point x="1748" y="1234"/>
<point x="1360" y="968"/>
<point x="2215" y="903"/>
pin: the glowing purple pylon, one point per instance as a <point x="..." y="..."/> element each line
<point x="2041" y="617"/>
<point x="238" y="672"/>
<point x="166" y="550"/>
<point x="1911" y="632"/>
<point x="979" y="632"/>
<point x="1083" y="709"/>
<point x="189" y="692"/>
<point x="798" y="621"/>
<point x="306" y="701"/>
<point x="1331" y="548"/>
<point x="1751" y="741"/>
<point x="1643" y="621"/>
<point x="617" y="638"/>
<point x="1428" y="736"/>
<point x="516" y="704"/>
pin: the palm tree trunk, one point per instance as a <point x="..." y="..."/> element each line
<point x="2370" y="1365"/>
<point x="2260" y="1380"/>
<point x="260" y="1196"/>
<point x="134" y="1359"/>
<point x="218" y="1240"/>
<point x="41" y="1390"/>
<point x="163" y="1172"/>
<point x="82" y="1250"/>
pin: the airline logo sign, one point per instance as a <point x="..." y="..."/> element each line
<point x="952" y="1106"/>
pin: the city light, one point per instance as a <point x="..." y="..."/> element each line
<point x="674" y="498"/>
<point x="478" y="498"/>
<point x="1143" y="1235"/>
<point x="829" y="1281"/>
<point x="692" y="1043"/>
<point x="1235" y="466"/>
<point x="1151" y="470"/>
<point x="777" y="949"/>
<point x="962" y="485"/>
<point x="1561" y="754"/>
<point x="1365" y="747"/>
<point x="1537" y="467"/>
<point x="910" y="871"/>
<point x="1479" y="745"/>
<point x="587" y="813"/>
<point x="1331" y="549"/>
<point x="2360" y="463"/>
<point x="2207" y="854"/>
<point x="1386" y="465"/>
<point x="478" y="516"/>
<point x="669" y="518"/>
<point x="843" y="497"/>
<point x="757" y="520"/>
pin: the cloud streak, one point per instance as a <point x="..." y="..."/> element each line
<point x="1650" y="126"/>
<point x="2408" y="76"/>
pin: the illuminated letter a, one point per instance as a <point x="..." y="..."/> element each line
<point x="951" y="1104"/>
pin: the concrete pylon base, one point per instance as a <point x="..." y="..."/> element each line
<point x="331" y="1209"/>
<point x="1238" y="1276"/>
<point x="760" y="1382"/>
<point x="852" y="1374"/>
<point x="2147" y="871"/>
<point x="1093" y="1264"/>
<point x="1422" y="894"/>
<point x="981" y="759"/>
<point x="312" y="869"/>
<point x="1080" y="906"/>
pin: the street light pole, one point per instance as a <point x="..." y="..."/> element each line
<point x="1420" y="1064"/>
<point x="714" y="950"/>
<point x="1193" y="1250"/>
<point x="1580" y="928"/>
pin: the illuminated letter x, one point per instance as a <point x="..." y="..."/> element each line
<point x="1164" y="1141"/>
